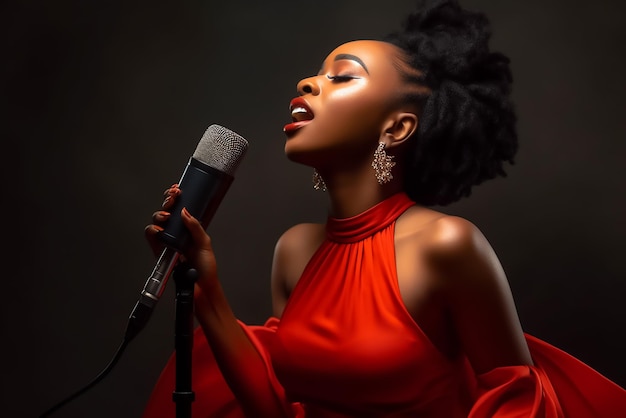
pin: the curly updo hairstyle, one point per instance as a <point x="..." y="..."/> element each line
<point x="467" y="123"/>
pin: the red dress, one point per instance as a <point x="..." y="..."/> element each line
<point x="347" y="347"/>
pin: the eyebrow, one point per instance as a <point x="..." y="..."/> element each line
<point x="351" y="57"/>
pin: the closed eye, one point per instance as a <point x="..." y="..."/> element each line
<point x="341" y="78"/>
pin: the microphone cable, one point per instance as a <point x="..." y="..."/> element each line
<point x="207" y="177"/>
<point x="137" y="320"/>
<point x="95" y="381"/>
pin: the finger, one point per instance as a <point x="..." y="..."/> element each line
<point x="160" y="217"/>
<point x="151" y="233"/>
<point x="196" y="230"/>
<point x="170" y="196"/>
<point x="169" y="189"/>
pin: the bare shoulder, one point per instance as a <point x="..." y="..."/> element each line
<point x="477" y="294"/>
<point x="300" y="235"/>
<point x="443" y="233"/>
<point x="293" y="250"/>
<point x="448" y="244"/>
<point x="297" y="245"/>
<point x="453" y="237"/>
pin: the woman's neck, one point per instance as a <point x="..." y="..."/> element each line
<point x="353" y="192"/>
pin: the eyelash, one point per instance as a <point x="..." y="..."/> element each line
<point x="340" y="78"/>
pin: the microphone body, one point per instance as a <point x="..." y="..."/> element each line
<point x="203" y="185"/>
<point x="202" y="190"/>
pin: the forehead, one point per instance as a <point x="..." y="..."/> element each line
<point x="377" y="56"/>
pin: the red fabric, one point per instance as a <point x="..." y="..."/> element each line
<point x="213" y="398"/>
<point x="583" y="391"/>
<point x="347" y="347"/>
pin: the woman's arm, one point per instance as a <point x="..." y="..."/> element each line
<point x="239" y="361"/>
<point x="486" y="324"/>
<point x="478" y="296"/>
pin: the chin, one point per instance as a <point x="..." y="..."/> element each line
<point x="298" y="156"/>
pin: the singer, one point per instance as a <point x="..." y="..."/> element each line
<point x="391" y="308"/>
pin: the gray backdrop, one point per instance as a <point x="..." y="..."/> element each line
<point x="103" y="102"/>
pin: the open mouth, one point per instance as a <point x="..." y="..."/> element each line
<point x="301" y="114"/>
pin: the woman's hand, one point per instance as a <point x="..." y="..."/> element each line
<point x="158" y="220"/>
<point x="198" y="252"/>
<point x="242" y="366"/>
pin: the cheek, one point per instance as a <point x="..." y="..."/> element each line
<point x="346" y="123"/>
<point x="353" y="111"/>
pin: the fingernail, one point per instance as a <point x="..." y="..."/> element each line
<point x="166" y="201"/>
<point x="157" y="228"/>
<point x="186" y="212"/>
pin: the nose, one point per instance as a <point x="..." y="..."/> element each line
<point x="308" y="85"/>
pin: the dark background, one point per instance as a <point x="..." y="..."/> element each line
<point x="104" y="101"/>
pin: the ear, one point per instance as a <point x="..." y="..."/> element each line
<point x="398" y="129"/>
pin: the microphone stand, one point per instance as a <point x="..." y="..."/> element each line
<point x="185" y="278"/>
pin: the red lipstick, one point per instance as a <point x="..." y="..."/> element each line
<point x="301" y="114"/>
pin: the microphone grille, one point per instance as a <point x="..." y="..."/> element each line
<point x="221" y="149"/>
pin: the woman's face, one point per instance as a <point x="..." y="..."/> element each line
<point x="340" y="112"/>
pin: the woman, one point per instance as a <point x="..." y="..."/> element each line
<point x="390" y="309"/>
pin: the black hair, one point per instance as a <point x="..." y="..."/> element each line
<point x="467" y="122"/>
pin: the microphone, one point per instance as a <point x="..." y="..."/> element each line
<point x="203" y="185"/>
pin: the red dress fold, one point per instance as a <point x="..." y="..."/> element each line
<point x="346" y="347"/>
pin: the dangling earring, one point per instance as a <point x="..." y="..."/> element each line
<point x="382" y="164"/>
<point x="318" y="181"/>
